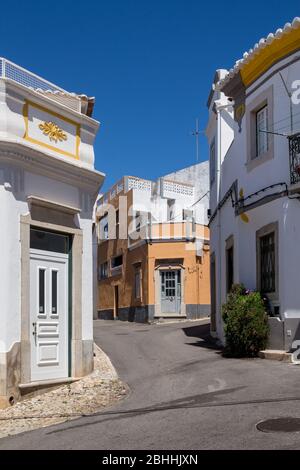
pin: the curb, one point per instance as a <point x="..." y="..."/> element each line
<point x="112" y="369"/>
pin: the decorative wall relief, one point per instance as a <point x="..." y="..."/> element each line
<point x="52" y="130"/>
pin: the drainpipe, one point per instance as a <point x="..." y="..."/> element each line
<point x="218" y="181"/>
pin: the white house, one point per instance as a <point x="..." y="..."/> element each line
<point x="254" y="142"/>
<point x="48" y="186"/>
<point x="177" y="197"/>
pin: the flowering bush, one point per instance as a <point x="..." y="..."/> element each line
<point x="246" y="322"/>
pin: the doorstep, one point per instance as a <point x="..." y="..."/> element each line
<point x="44" y="385"/>
<point x="275" y="355"/>
<point x="169" y="318"/>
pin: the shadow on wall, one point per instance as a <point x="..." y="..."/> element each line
<point x="202" y="334"/>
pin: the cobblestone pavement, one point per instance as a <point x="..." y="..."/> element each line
<point x="84" y="397"/>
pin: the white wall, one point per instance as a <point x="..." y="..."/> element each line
<point x="157" y="203"/>
<point x="16" y="185"/>
<point x="284" y="211"/>
<point x="10" y="252"/>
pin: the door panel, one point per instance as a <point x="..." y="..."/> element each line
<point x="49" y="315"/>
<point x="170" y="291"/>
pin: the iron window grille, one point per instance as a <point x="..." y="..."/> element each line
<point x="294" y="153"/>
<point x="267" y="263"/>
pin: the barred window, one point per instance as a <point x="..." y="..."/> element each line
<point x="229" y="268"/>
<point x="267" y="263"/>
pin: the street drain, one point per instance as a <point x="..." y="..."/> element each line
<point x="279" y="425"/>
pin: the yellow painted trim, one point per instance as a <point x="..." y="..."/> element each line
<point x="277" y="50"/>
<point x="43" y="144"/>
<point x="244" y="217"/>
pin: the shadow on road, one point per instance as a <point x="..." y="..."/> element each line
<point x="205" y="400"/>
<point x="193" y="401"/>
<point x="202" y="333"/>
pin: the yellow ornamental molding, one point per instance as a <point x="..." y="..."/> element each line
<point x="32" y="112"/>
<point x="53" y="131"/>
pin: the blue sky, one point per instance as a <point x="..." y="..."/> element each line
<point x="149" y="64"/>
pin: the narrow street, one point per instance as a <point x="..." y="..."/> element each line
<point x="184" y="395"/>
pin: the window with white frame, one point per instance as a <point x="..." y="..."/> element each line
<point x="261" y="131"/>
<point x="212" y="161"/>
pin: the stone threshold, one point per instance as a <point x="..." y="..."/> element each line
<point x="178" y="317"/>
<point x="44" y="385"/>
<point x="276" y="355"/>
<point x="168" y="318"/>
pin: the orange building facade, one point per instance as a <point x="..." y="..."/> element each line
<point x="150" y="269"/>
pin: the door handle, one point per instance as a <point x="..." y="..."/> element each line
<point x="34" y="331"/>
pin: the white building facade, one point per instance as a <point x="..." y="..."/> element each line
<point x="48" y="186"/>
<point x="254" y="144"/>
<point x="176" y="198"/>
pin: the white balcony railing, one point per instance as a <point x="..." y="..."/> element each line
<point x="138" y="183"/>
<point x="168" y="188"/>
<point x="176" y="188"/>
<point x="28" y="79"/>
<point x="125" y="184"/>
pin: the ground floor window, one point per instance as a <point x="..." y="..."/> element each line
<point x="229" y="264"/>
<point x="267" y="263"/>
<point x="267" y="260"/>
<point x="49" y="241"/>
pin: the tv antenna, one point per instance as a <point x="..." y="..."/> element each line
<point x="196" y="134"/>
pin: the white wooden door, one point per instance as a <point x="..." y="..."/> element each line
<point x="170" y="291"/>
<point x="49" y="315"/>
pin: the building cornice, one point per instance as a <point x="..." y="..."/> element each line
<point x="49" y="204"/>
<point x="22" y="93"/>
<point x="38" y="162"/>
<point x="266" y="53"/>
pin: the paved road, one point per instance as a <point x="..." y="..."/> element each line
<point x="184" y="395"/>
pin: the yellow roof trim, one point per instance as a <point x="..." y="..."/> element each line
<point x="268" y="56"/>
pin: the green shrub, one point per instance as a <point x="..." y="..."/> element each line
<point x="246" y="323"/>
